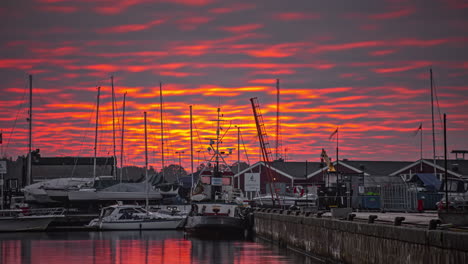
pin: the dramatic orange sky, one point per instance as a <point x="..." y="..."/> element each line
<point x="362" y="66"/>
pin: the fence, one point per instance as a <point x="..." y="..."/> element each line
<point x="401" y="197"/>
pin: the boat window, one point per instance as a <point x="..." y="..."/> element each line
<point x="206" y="179"/>
<point x="226" y="181"/>
<point x="127" y="211"/>
<point x="108" y="212"/>
<point x="140" y="210"/>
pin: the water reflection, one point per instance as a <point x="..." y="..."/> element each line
<point x="130" y="247"/>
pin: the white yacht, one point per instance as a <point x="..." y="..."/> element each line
<point x="134" y="217"/>
<point x="25" y="219"/>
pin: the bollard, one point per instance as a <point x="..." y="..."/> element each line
<point x="351" y="217"/>
<point x="371" y="219"/>
<point x="398" y="221"/>
<point x="434" y="223"/>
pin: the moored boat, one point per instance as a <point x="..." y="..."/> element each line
<point x="217" y="208"/>
<point x="16" y="220"/>
<point x="134" y="217"/>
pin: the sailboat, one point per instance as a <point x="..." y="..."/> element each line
<point x="135" y="217"/>
<point x="27" y="219"/>
<point x="216" y="206"/>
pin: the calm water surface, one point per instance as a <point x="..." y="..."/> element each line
<point x="133" y="247"/>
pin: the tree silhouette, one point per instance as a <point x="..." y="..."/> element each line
<point x="173" y="172"/>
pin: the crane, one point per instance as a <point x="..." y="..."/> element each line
<point x="325" y="158"/>
<point x="264" y="146"/>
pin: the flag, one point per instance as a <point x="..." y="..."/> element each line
<point x="332" y="134"/>
<point x="417" y="130"/>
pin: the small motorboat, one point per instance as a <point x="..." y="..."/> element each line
<point x="26" y="219"/>
<point x="134" y="217"/>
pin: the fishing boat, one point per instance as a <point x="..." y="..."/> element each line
<point x="216" y="207"/>
<point x="134" y="217"/>
<point x="25" y="219"/>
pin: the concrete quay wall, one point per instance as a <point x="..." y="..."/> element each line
<point x="358" y="242"/>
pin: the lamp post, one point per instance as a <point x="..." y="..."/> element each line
<point x="180" y="162"/>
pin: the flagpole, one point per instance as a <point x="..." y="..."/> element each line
<point x="337" y="133"/>
<point x="420" y="146"/>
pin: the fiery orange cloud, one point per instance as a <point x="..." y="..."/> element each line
<point x="242" y="28"/>
<point x="381" y="52"/>
<point x="131" y="27"/>
<point x="231" y="9"/>
<point x="346" y="46"/>
<point x="134" y="54"/>
<point x="116" y="7"/>
<point x="273" y="72"/>
<point x="393" y="14"/>
<point x="270" y="81"/>
<point x="321" y="66"/>
<point x="294" y="16"/>
<point x="60" y="51"/>
<point x="179" y="74"/>
<point x="411" y="66"/>
<point x="276" y="51"/>
<point x="191" y="23"/>
<point x="421" y="43"/>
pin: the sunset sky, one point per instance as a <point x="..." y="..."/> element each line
<point x="362" y="66"/>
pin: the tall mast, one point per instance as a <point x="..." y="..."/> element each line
<point x="29" y="172"/>
<point x="114" y="171"/>
<point x="146" y="165"/>
<point x="420" y="148"/>
<point x="217" y="142"/>
<point x="337" y="140"/>
<point x="277" y="119"/>
<point x="433" y="129"/>
<point x="445" y="163"/>
<point x="122" y="139"/>
<point x="96" y="134"/>
<point x="191" y="142"/>
<point x="238" y="157"/>
<point x="162" y="129"/>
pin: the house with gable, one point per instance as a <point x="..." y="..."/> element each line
<point x="286" y="175"/>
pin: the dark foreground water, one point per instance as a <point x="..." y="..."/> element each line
<point x="133" y="247"/>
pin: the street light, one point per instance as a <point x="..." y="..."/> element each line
<point x="180" y="162"/>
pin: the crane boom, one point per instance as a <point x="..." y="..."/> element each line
<point x="325" y="157"/>
<point x="264" y="146"/>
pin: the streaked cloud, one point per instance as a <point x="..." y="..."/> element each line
<point x="362" y="67"/>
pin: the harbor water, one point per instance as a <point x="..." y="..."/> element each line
<point x="134" y="247"/>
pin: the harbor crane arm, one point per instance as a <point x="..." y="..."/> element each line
<point x="265" y="147"/>
<point x="325" y="158"/>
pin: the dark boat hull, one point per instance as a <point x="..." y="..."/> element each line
<point x="218" y="226"/>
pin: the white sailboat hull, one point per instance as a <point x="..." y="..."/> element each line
<point x="28" y="219"/>
<point x="27" y="223"/>
<point x="140" y="225"/>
